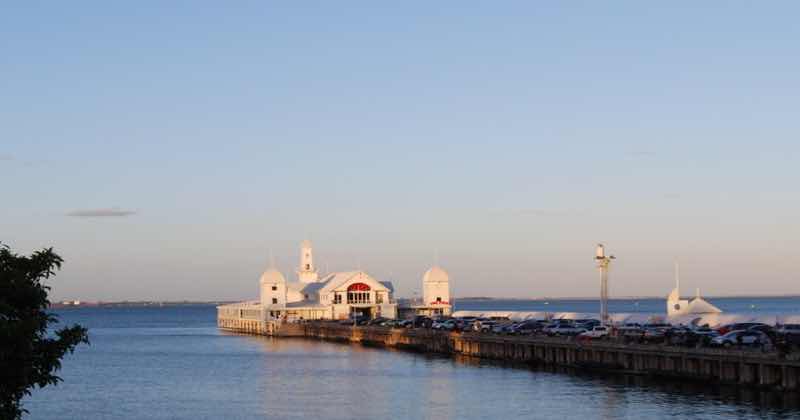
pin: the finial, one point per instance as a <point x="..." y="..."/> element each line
<point x="271" y="259"/>
<point x="436" y="257"/>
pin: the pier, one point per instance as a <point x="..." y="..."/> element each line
<point x="718" y="366"/>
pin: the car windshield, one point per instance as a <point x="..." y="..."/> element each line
<point x="732" y="334"/>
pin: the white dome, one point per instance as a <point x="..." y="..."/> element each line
<point x="272" y="276"/>
<point x="436" y="275"/>
<point x="305" y="244"/>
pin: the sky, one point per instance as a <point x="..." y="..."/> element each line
<point x="164" y="149"/>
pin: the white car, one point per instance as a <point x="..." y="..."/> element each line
<point x="596" y="332"/>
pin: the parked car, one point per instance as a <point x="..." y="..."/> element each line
<point x="656" y="332"/>
<point x="630" y="331"/>
<point x="526" y="328"/>
<point x="485" y="326"/>
<point x="769" y="330"/>
<point x="741" y="337"/>
<point x="421" y="321"/>
<point x="738" y="326"/>
<point x="556" y="323"/>
<point x="596" y="332"/>
<point x="377" y="321"/>
<point x="390" y="323"/>
<point x="702" y="336"/>
<point x="588" y="324"/>
<point x="788" y="329"/>
<point x="789" y="334"/>
<point x="565" y="329"/>
<point x="447" y="325"/>
<point x="404" y="323"/>
<point x="502" y="327"/>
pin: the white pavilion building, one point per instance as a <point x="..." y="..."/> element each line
<point x="335" y="296"/>
<point x="332" y="296"/>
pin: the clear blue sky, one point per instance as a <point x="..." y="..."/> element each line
<point x="164" y="147"/>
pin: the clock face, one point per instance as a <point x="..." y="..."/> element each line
<point x="677" y="306"/>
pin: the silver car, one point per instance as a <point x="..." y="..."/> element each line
<point x="743" y="337"/>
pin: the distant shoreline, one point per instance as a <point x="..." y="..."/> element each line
<point x="145" y="303"/>
<point x="548" y="298"/>
<point x="125" y="303"/>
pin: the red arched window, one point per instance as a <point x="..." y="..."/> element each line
<point x="358" y="287"/>
<point x="358" y="293"/>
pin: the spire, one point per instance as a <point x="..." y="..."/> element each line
<point x="677" y="276"/>
<point x="307" y="272"/>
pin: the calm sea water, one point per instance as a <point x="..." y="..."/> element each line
<point x="173" y="363"/>
<point x="756" y="306"/>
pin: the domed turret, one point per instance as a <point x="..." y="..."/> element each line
<point x="272" y="276"/>
<point x="273" y="291"/>
<point x="436" y="287"/>
<point x="436" y="275"/>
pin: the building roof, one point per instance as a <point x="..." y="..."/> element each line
<point x="436" y="275"/>
<point x="312" y="287"/>
<point x="272" y="276"/>
<point x="699" y="305"/>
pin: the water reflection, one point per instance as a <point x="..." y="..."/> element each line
<point x="352" y="381"/>
<point x="666" y="392"/>
<point x="172" y="364"/>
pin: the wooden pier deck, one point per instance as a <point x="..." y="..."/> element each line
<point x="718" y="366"/>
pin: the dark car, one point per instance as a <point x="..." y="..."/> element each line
<point x="377" y="321"/>
<point x="769" y="330"/>
<point x="421" y="321"/>
<point x="527" y="328"/>
<point x="738" y="326"/>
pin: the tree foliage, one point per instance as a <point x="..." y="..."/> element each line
<point x="30" y="352"/>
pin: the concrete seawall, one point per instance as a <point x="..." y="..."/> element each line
<point x="719" y="366"/>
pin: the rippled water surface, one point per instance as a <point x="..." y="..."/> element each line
<point x="173" y="363"/>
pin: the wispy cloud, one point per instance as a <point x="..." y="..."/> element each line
<point x="112" y="212"/>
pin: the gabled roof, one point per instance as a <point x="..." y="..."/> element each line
<point x="699" y="305"/>
<point x="313" y="287"/>
<point x="296" y="286"/>
<point x="335" y="280"/>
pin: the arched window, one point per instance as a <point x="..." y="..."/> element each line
<point x="358" y="293"/>
<point x="358" y="287"/>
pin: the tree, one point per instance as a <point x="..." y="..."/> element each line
<point x="29" y="353"/>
